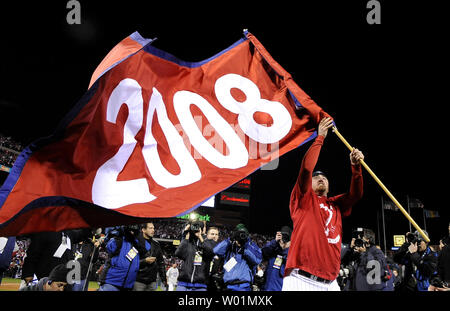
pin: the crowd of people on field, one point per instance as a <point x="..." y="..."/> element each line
<point x="210" y="258"/>
<point x="166" y="231"/>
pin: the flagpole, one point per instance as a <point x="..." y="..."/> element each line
<point x="425" y="237"/>
<point x="409" y="212"/>
<point x="384" y="228"/>
<point x="378" y="228"/>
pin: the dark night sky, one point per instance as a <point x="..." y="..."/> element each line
<point x="381" y="83"/>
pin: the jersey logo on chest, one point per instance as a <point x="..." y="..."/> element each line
<point x="329" y="227"/>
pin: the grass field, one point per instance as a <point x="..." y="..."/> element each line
<point x="9" y="284"/>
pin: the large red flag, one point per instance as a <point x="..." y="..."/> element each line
<point x="155" y="136"/>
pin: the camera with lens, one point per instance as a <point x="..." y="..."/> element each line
<point x="346" y="274"/>
<point x="285" y="234"/>
<point x="285" y="237"/>
<point x="120" y="231"/>
<point x="195" y="227"/>
<point x="217" y="282"/>
<point x="130" y="231"/>
<point x="359" y="243"/>
<point x="363" y="237"/>
<point x="357" y="234"/>
<point x="437" y="282"/>
<point x="412" y="238"/>
<point x="127" y="232"/>
<point x="240" y="236"/>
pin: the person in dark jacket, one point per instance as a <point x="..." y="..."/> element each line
<point x="120" y="270"/>
<point x="86" y="253"/>
<point x="241" y="257"/>
<point x="55" y="282"/>
<point x="441" y="282"/>
<point x="196" y="256"/>
<point x="444" y="260"/>
<point x="396" y="274"/>
<point x="370" y="271"/>
<point x="151" y="263"/>
<point x="275" y="252"/>
<point x="214" y="280"/>
<point x="420" y="263"/>
<point x="49" y="249"/>
<point x="391" y="279"/>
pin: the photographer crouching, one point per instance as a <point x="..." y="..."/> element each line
<point x="367" y="263"/>
<point x="241" y="256"/>
<point x="196" y="254"/>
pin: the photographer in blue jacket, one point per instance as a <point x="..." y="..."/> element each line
<point x="241" y="256"/>
<point x="275" y="252"/>
<point x="120" y="270"/>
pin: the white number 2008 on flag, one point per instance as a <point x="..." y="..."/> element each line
<point x="108" y="192"/>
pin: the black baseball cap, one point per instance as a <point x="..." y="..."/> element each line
<point x="318" y="173"/>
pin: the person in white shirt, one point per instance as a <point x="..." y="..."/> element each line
<point x="172" y="277"/>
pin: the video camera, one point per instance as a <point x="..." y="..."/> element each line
<point x="131" y="230"/>
<point x="127" y="231"/>
<point x="196" y="226"/>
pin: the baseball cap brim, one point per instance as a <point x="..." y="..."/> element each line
<point x="316" y="173"/>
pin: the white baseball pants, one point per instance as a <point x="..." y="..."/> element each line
<point x="297" y="282"/>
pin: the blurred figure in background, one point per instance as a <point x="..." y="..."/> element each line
<point x="172" y="277"/>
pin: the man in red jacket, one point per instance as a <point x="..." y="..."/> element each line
<point x="314" y="257"/>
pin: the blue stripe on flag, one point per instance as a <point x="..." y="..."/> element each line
<point x="139" y="39"/>
<point x="171" y="58"/>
